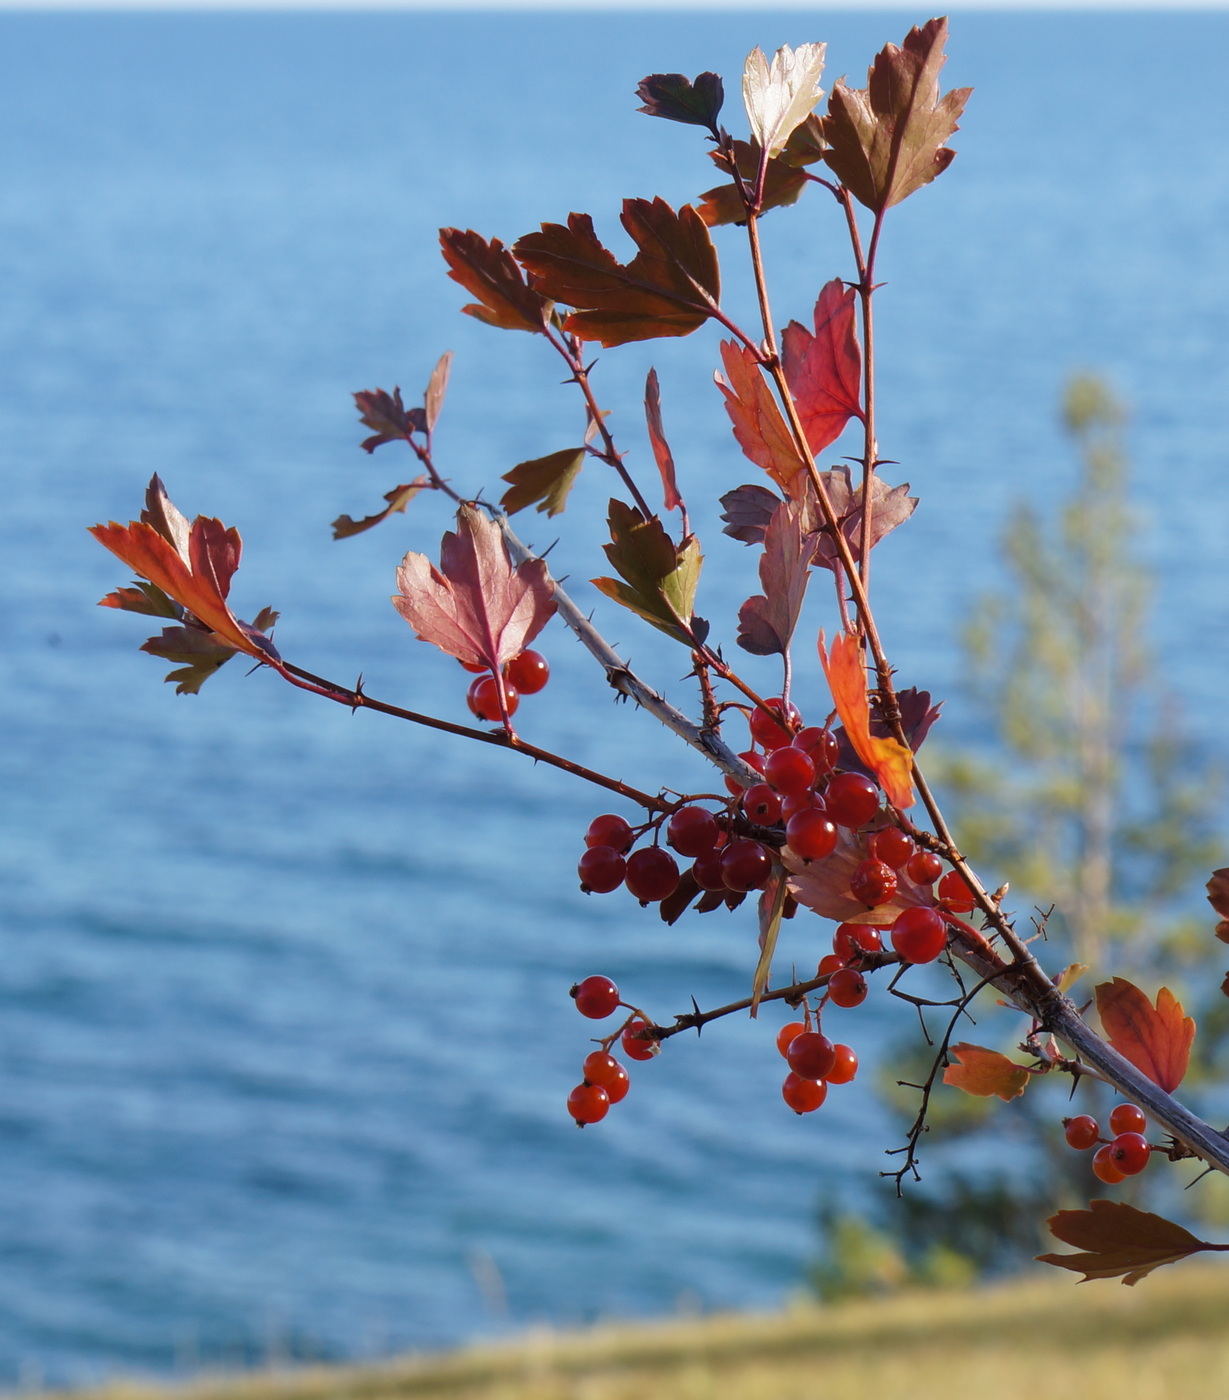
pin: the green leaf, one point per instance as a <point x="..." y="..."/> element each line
<point x="659" y="578"/>
<point x="544" y="481"/>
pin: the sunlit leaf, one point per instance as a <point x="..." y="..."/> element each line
<point x="657" y="438"/>
<point x="1157" y="1040"/>
<point x="657" y="578"/>
<point x="1119" y="1241"/>
<point x="544" y="482"/>
<point x="759" y="425"/>
<point x="985" y="1073"/>
<point x="771" y="908"/>
<point x="824" y="368"/>
<point x="437" y="387"/>
<point x="823" y="885"/>
<point x="142" y="598"/>
<point x="488" y="271"/>
<point x="780" y="96"/>
<point x="886" y="757"/>
<point x="766" y="622"/>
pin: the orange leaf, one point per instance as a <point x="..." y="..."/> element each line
<point x="1119" y="1240"/>
<point x="758" y="423"/>
<point x="888" y="759"/>
<point x="986" y="1073"/>
<point x="1156" y="1040"/>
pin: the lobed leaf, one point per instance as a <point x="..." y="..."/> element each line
<point x="986" y="1073"/>
<point x="142" y="598"/>
<point x="659" y="579"/>
<point x="199" y="652"/>
<point x="780" y="96"/>
<point x="398" y="498"/>
<point x="669" y="288"/>
<point x="766" y="622"/>
<point x="677" y="98"/>
<point x="823" y="885"/>
<point x="784" y="183"/>
<point x="824" y="368"/>
<point x="891" y="506"/>
<point x="657" y="438"/>
<point x="1157" y="1040"/>
<point x="544" y="482"/>
<point x="388" y="416"/>
<point x="488" y="271"/>
<point x="1119" y="1241"/>
<point x="759" y="425"/>
<point x="887" y="140"/>
<point x="748" y="509"/>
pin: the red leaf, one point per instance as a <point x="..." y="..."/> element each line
<point x="766" y="622"/>
<point x="986" y="1073"/>
<point x="476" y="606"/>
<point x="490" y="272"/>
<point x="824" y="369"/>
<point x="886" y="757"/>
<point x="1156" y="1040"/>
<point x="892" y="506"/>
<point x="661" y="448"/>
<point x="669" y="288"/>
<point x="759" y="425"/>
<point x="388" y="416"/>
<point x="1119" y="1240"/>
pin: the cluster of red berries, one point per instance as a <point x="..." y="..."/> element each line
<point x="605" y="1080"/>
<point x="814" y="1063"/>
<point x="1126" y="1154"/>
<point x="525" y="674"/>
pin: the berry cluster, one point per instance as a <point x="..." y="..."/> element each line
<point x="605" y="1080"/>
<point x="814" y="1063"/>
<point x="525" y="674"/>
<point x="1126" y="1154"/>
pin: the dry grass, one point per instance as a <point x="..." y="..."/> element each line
<point x="1166" y="1339"/>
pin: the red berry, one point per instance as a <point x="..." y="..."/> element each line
<point x="872" y="883"/>
<point x="852" y="940"/>
<point x="745" y="865"/>
<point x="529" y="672"/>
<point x="810" y="834"/>
<point x="588" y="1103"/>
<point x="891" y="846"/>
<point x="1129" y="1152"/>
<point x="789" y="770"/>
<point x="799" y="802"/>
<point x="603" y="1069"/>
<point x="954" y="891"/>
<point x="707" y="871"/>
<point x="692" y="831"/>
<point x="652" y="874"/>
<point x="762" y="805"/>
<point x="601" y="869"/>
<point x="636" y="1047"/>
<point x="851" y="799"/>
<point x="919" y="934"/>
<point x="609" y="830"/>
<point x="821" y="747"/>
<point x="924" y="868"/>
<point x="1081" y="1132"/>
<point x="483" y="698"/>
<point x="803" y="1095"/>
<point x="596" y="997"/>
<point x="847" y="987"/>
<point x="773" y="726"/>
<point x="1126" y="1118"/>
<point x="1105" y="1168"/>
<point x="787" y="1033"/>
<point x="844" y="1067"/>
<point x="752" y="760"/>
<point x="830" y="963"/>
<point x="475" y="668"/>
<point x="811" y="1055"/>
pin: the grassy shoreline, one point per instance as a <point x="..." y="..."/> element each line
<point x="1166" y="1339"/>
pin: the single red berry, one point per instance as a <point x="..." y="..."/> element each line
<point x="483" y="698"/>
<point x="1126" y="1118"/>
<point x="752" y="760"/>
<point x="891" y="846"/>
<point x="601" y="869"/>
<point x="529" y="672"/>
<point x="811" y="834"/>
<point x="609" y="830"/>
<point x="1129" y="1152"/>
<point x="919" y="934"/>
<point x="847" y="987"/>
<point x="745" y="865"/>
<point x="475" y="668"/>
<point x="762" y="805"/>
<point x="1105" y="1168"/>
<point x="851" y="799"/>
<point x="789" y="770"/>
<point x="820" y="745"/>
<point x="924" y="868"/>
<point x="588" y="1103"/>
<point x="635" y="1046"/>
<point x="603" y="1069"/>
<point x="803" y="1095"/>
<point x="844" y="1066"/>
<point x="652" y="874"/>
<point x="692" y="831"/>
<point x="773" y="726"/>
<point x="596" y="997"/>
<point x="830" y="963"/>
<point x="954" y="891"/>
<point x="1081" y="1132"/>
<point x="811" y="1055"/>
<point x="872" y="883"/>
<point x="786" y="1034"/>
<point x="707" y="871"/>
<point x="800" y="802"/>
<point x="852" y="940"/>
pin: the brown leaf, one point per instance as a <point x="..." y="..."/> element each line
<point x="437" y="387"/>
<point x="986" y="1073"/>
<point x="888" y="140"/>
<point x="824" y="369"/>
<point x="388" y="416"/>
<point x="199" y="652"/>
<point x="1218" y="892"/>
<point x="748" y="509"/>
<point x="143" y="598"/>
<point x="676" y="98"/>
<point x="398" y="498"/>
<point x="771" y="907"/>
<point x="476" y="606"/>
<point x="490" y="272"/>
<point x="659" y="578"/>
<point x="675" y="905"/>
<point x="544" y="482"/>
<point x="766" y="622"/>
<point x="1119" y="1240"/>
<point x="1156" y="1040"/>
<point x="661" y="448"/>
<point x="669" y="288"/>
<point x="823" y="885"/>
<point x="891" y="506"/>
<point x="784" y="182"/>
<point x="759" y="425"/>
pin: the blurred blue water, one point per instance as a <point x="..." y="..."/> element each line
<point x="284" y="1033"/>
